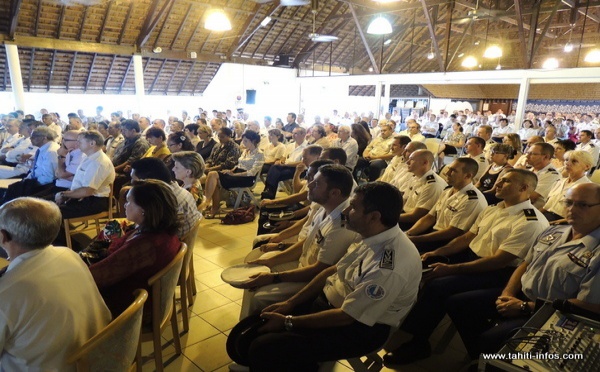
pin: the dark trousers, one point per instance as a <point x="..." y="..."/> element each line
<point x="49" y="193"/>
<point x="25" y="187"/>
<point x="276" y="174"/>
<point x="300" y="350"/>
<point x="375" y="168"/>
<point x="79" y="208"/>
<point x="431" y="304"/>
<point x="481" y="328"/>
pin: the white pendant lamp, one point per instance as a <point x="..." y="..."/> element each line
<point x="379" y="26"/>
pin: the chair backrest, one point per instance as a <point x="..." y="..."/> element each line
<point x="190" y="240"/>
<point x="595" y="177"/>
<point x="111" y="195"/>
<point x="163" y="289"/>
<point x="115" y="347"/>
<point x="433" y="145"/>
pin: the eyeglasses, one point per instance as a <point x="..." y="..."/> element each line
<point x="67" y="140"/>
<point x="568" y="203"/>
<point x="533" y="153"/>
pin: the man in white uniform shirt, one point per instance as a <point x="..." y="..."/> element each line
<point x="50" y="303"/>
<point x="484" y="257"/>
<point x="397" y="164"/>
<point x="353" y="305"/>
<point x="424" y="190"/>
<point x="455" y="211"/>
<point x="326" y="242"/>
<point x="539" y="157"/>
<point x="587" y="144"/>
<point x="13" y="137"/>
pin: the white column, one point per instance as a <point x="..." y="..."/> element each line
<point x="386" y="96"/>
<point x="16" y="79"/>
<point x="378" y="99"/>
<point x="138" y="69"/>
<point x="521" y="101"/>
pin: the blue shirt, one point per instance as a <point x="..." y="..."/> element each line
<point x="44" y="167"/>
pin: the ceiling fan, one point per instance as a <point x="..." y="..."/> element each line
<point x="477" y="13"/>
<point x="314" y="36"/>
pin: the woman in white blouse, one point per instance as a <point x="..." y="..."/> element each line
<point x="243" y="175"/>
<point x="577" y="163"/>
<point x="527" y="131"/>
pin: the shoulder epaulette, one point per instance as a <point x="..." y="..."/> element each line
<point x="530" y="214"/>
<point x="447" y="187"/>
<point x="472" y="194"/>
<point x="592" y="145"/>
<point x="552" y="170"/>
<point x="387" y="259"/>
<point x="482" y="158"/>
<point x="430" y="178"/>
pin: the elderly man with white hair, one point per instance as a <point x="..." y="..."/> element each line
<point x="349" y="144"/>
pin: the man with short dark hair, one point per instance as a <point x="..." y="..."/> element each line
<point x="539" y="157"/>
<point x="130" y="150"/>
<point x="586" y="144"/>
<point x="354" y="304"/>
<point x="115" y="139"/>
<point x="289" y="127"/>
<point x="50" y="303"/>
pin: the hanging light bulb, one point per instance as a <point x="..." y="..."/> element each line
<point x="469" y="62"/>
<point x="493" y="51"/>
<point x="217" y="21"/>
<point x="431" y="54"/>
<point x="550" y="64"/>
<point x="499" y="67"/>
<point x="379" y="26"/>
<point x="593" y="56"/>
<point x="568" y="48"/>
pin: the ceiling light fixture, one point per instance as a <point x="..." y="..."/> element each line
<point x="493" y="51"/>
<point x="379" y="26"/>
<point x="568" y="47"/>
<point x="469" y="62"/>
<point x="431" y="54"/>
<point x="550" y="64"/>
<point x="265" y="21"/>
<point x="217" y="21"/>
<point x="593" y="56"/>
<point x="387" y="42"/>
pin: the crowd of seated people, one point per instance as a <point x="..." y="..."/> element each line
<point x="347" y="266"/>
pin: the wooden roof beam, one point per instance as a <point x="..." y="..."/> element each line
<point x="169" y="10"/>
<point x="71" y="70"/>
<point x="531" y="39"/>
<point x="436" y="47"/>
<point x="172" y="77"/>
<point x="157" y="76"/>
<point x="294" y="32"/>
<point x="187" y="76"/>
<point x="30" y="77"/>
<point x="39" y="16"/>
<point x="51" y="70"/>
<point x="125" y="75"/>
<point x="364" y="39"/>
<point x="106" y="15"/>
<point x="89" y="77"/>
<point x="199" y="78"/>
<point x="127" y="16"/>
<point x="235" y="45"/>
<point x="305" y="52"/>
<point x="187" y="14"/>
<point x="573" y="4"/>
<point x="521" y="33"/>
<point x="546" y="26"/>
<point x="273" y="7"/>
<point x="112" y="64"/>
<point x="379" y="8"/>
<point x="81" y="26"/>
<point x="60" y="21"/>
<point x="15" y="7"/>
<point x="151" y="21"/>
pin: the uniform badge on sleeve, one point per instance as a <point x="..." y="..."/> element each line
<point x="375" y="291"/>
<point x="530" y="214"/>
<point x="472" y="194"/>
<point x="319" y="237"/>
<point x="387" y="260"/>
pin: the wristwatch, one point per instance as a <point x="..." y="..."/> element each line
<point x="276" y="278"/>
<point x="287" y="323"/>
<point x="280" y="246"/>
<point x="524" y="308"/>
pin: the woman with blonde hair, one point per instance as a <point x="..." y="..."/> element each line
<point x="577" y="163"/>
<point x="207" y="142"/>
<point x="514" y="140"/>
<point x="188" y="167"/>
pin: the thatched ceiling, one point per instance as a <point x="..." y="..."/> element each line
<point x="76" y="48"/>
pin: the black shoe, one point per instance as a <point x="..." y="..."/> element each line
<point x="408" y="352"/>
<point x="267" y="194"/>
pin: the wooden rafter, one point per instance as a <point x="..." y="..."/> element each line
<point x="60" y="21"/>
<point x="304" y="52"/>
<point x="147" y="64"/>
<point x="243" y="29"/>
<point x="162" y="28"/>
<point x="580" y="5"/>
<point x="544" y="32"/>
<point x="51" y="70"/>
<point x="531" y="39"/>
<point x="187" y="45"/>
<point x="436" y="47"/>
<point x="281" y="29"/>
<point x="238" y="42"/>
<point x="71" y="70"/>
<point x="448" y="32"/>
<point x="89" y="77"/>
<point x="187" y="76"/>
<point x="405" y="29"/>
<point x="37" y="19"/>
<point x="285" y="43"/>
<point x="273" y="23"/>
<point x="152" y="18"/>
<point x="103" y="27"/>
<point x="112" y="64"/>
<point x="297" y="31"/>
<point x="30" y="77"/>
<point x="125" y="75"/>
<point x="157" y="76"/>
<point x="127" y="16"/>
<point x="199" y="78"/>
<point x="302" y="57"/>
<point x="82" y="25"/>
<point x="172" y="77"/>
<point x="462" y="38"/>
<point x="15" y="7"/>
<point x="523" y="45"/>
<point x="364" y="39"/>
<point x="185" y="18"/>
<point x="378" y="8"/>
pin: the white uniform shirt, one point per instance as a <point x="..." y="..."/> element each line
<point x="377" y="281"/>
<point x="294" y="152"/>
<point x="72" y="161"/>
<point x="327" y="240"/>
<point x="424" y="192"/>
<point x="482" y="163"/>
<point x="312" y="211"/>
<point x="430" y="127"/>
<point x="95" y="171"/>
<point x="22" y="146"/>
<point x="45" y="317"/>
<point x="11" y="141"/>
<point x="502" y="130"/>
<point x="511" y="229"/>
<point x="557" y="194"/>
<point x="591" y="148"/>
<point x="413" y="137"/>
<point x="547" y="177"/>
<point x="350" y="147"/>
<point x="459" y="209"/>
<point x="395" y="166"/>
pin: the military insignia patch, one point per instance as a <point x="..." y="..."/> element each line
<point x="530" y="214"/>
<point x="319" y="237"/>
<point x="387" y="260"/>
<point x="472" y="194"/>
<point x="375" y="292"/>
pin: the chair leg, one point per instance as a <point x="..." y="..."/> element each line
<point x="238" y="199"/>
<point x="157" y="341"/>
<point x="68" y="235"/>
<point x="176" y="339"/>
<point x="138" y="356"/>
<point x="185" y="315"/>
<point x="191" y="284"/>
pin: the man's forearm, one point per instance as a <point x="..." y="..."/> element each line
<point x="312" y="289"/>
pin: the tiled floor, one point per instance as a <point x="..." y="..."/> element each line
<point x="217" y="306"/>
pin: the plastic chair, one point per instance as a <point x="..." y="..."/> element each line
<point x="240" y="191"/>
<point x="162" y="286"/>
<point x="187" y="283"/>
<point x="116" y="346"/>
<point x="68" y="223"/>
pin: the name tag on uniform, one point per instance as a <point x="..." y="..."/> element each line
<point x="319" y="237"/>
